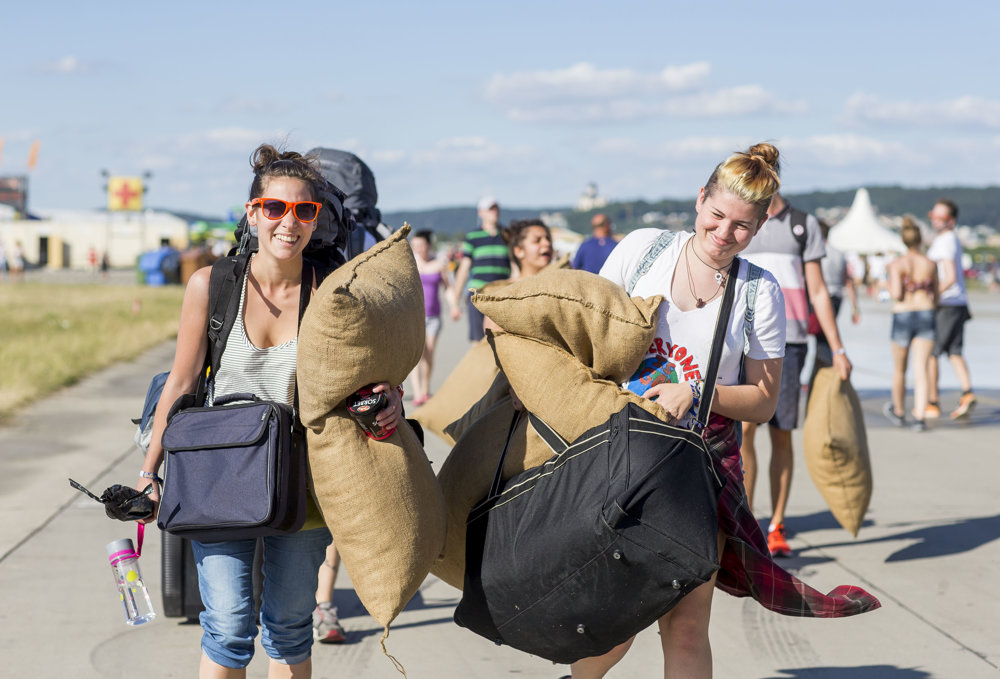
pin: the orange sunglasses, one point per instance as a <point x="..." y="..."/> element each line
<point x="274" y="208"/>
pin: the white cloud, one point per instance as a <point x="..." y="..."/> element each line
<point x="465" y="151"/>
<point x="967" y="111"/>
<point x="585" y="81"/>
<point x="67" y="65"/>
<point x="844" y="150"/>
<point x="585" y="94"/>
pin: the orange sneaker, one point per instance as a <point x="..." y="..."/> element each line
<point x="932" y="411"/>
<point x="776" y="542"/>
<point x="965" y="404"/>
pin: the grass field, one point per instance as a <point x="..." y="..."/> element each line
<point x="52" y="335"/>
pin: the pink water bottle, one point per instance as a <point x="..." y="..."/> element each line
<point x="128" y="578"/>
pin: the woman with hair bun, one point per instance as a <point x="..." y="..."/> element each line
<point x="259" y="358"/>
<point x="913" y="285"/>
<point x="691" y="273"/>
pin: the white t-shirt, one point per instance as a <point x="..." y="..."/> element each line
<point x="683" y="343"/>
<point x="944" y="247"/>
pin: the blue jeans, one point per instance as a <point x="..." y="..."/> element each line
<point x="225" y="576"/>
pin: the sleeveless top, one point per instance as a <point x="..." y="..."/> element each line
<point x="268" y="373"/>
<point x="432" y="302"/>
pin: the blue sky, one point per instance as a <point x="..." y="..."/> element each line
<point x="529" y="101"/>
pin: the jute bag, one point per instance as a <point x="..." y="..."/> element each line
<point x="465" y="385"/>
<point x="563" y="392"/>
<point x="586" y="315"/>
<point x="380" y="499"/>
<point x="384" y="508"/>
<point x="836" y="449"/>
<point x="466" y="475"/>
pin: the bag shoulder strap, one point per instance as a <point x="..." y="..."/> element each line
<point x="797" y="217"/>
<point x="661" y="243"/>
<point x="754" y="273"/>
<point x="718" y="342"/>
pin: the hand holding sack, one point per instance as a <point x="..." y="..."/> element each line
<point x="380" y="499"/>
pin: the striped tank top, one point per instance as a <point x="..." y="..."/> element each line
<point x="268" y="373"/>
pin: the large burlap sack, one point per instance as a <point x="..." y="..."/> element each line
<point x="587" y="315"/>
<point x="836" y="449"/>
<point x="570" y="397"/>
<point x="465" y="385"/>
<point x="467" y="473"/>
<point x="381" y="499"/>
<point x="383" y="506"/>
<point x="364" y="324"/>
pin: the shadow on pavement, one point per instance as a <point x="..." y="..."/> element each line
<point x="945" y="539"/>
<point x="865" y="672"/>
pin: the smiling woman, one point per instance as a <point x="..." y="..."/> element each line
<point x="54" y="335"/>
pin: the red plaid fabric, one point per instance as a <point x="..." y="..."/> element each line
<point x="747" y="568"/>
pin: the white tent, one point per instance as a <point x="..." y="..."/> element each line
<point x="860" y="231"/>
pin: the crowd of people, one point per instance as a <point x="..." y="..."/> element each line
<point x="740" y="212"/>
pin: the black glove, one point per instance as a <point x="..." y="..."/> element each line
<point x="123" y="502"/>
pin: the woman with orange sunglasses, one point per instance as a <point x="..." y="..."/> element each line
<point x="259" y="358"/>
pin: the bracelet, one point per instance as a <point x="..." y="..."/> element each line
<point x="151" y="476"/>
<point x="840" y="352"/>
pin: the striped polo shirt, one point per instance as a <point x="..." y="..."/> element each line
<point x="490" y="260"/>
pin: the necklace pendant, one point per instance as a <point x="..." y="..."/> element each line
<point x="718" y="277"/>
<point x="700" y="303"/>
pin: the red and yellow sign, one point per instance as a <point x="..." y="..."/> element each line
<point x="125" y="194"/>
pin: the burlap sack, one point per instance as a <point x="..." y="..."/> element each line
<point x="554" y="385"/>
<point x="466" y="475"/>
<point x="380" y="499"/>
<point x="587" y="315"/>
<point x="836" y="449"/>
<point x="364" y="324"/>
<point x="383" y="506"/>
<point x="466" y="384"/>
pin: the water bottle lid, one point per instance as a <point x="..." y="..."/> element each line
<point x="125" y="544"/>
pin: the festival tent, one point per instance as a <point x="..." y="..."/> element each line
<point x="860" y="231"/>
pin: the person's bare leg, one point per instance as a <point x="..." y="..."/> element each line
<point x="428" y="359"/>
<point x="932" y="379"/>
<point x="921" y="349"/>
<point x="327" y="576"/>
<point x="781" y="472"/>
<point x="302" y="670"/>
<point x="598" y="666"/>
<point x="900" y="356"/>
<point x="748" y="451"/>
<point x="213" y="670"/>
<point x="687" y="651"/>
<point x="961" y="369"/>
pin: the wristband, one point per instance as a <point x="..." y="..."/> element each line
<point x="151" y="476"/>
<point x="840" y="352"/>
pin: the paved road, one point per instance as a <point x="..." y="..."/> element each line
<point x="928" y="550"/>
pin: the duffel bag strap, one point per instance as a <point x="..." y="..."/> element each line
<point x="498" y="476"/>
<point x="551" y="437"/>
<point x="718" y="341"/>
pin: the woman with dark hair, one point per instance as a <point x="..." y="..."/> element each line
<point x="530" y="245"/>
<point x="259" y="358"/>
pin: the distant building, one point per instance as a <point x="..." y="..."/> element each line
<point x="63" y="239"/>
<point x="590" y="199"/>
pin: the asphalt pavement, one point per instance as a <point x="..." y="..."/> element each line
<point x="928" y="550"/>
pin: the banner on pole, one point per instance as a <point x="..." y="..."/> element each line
<point x="125" y="194"/>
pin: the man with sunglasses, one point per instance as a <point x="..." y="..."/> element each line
<point x="485" y="259"/>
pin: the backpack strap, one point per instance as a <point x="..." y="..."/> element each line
<point x="224" y="284"/>
<point x="753" y="284"/>
<point x="661" y="243"/>
<point x="797" y="218"/>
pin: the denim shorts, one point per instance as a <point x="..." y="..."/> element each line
<point x="225" y="576"/>
<point x="910" y="325"/>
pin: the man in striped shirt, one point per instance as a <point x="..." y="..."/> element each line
<point x="485" y="259"/>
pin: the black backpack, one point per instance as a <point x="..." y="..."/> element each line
<point x="356" y="182"/>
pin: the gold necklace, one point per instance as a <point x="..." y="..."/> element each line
<point x="719" y="278"/>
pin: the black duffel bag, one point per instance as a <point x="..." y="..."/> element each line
<point x="237" y="469"/>
<point x="568" y="560"/>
